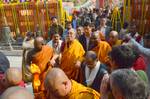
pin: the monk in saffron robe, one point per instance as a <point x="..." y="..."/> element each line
<point x="114" y="39"/>
<point x="61" y="87"/>
<point x="101" y="48"/>
<point x="40" y="56"/>
<point x="71" y="56"/>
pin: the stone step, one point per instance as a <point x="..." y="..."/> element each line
<point x="9" y="48"/>
<point x="7" y="44"/>
<point x="12" y="53"/>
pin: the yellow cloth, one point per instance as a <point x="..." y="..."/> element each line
<point x="118" y="42"/>
<point x="102" y="50"/>
<point x="41" y="59"/>
<point x="35" y="70"/>
<point x="69" y="57"/>
<point x="79" y="91"/>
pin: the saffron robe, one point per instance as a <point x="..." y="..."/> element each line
<point x="118" y="42"/>
<point x="79" y="91"/>
<point x="42" y="59"/>
<point x="70" y="55"/>
<point x="102" y="50"/>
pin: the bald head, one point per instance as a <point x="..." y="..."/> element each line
<point x="57" y="83"/>
<point x="94" y="40"/>
<point x="54" y="75"/>
<point x="38" y="43"/>
<point x="39" y="39"/>
<point x="13" y="76"/>
<point x="113" y="38"/>
<point x="95" y="36"/>
<point x="114" y="33"/>
<point x="16" y="93"/>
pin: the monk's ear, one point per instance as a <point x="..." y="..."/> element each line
<point x="65" y="82"/>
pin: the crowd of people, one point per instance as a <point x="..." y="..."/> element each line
<point x="86" y="60"/>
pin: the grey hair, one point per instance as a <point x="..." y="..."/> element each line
<point x="130" y="84"/>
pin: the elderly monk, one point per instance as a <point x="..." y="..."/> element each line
<point x="41" y="56"/>
<point x="101" y="48"/>
<point x="113" y="39"/>
<point x="13" y="77"/>
<point x="16" y="93"/>
<point x="72" y="53"/>
<point x="61" y="87"/>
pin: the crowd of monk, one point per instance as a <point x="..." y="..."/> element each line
<point x="80" y="63"/>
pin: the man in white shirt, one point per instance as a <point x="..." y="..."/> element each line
<point x="92" y="71"/>
<point x="56" y="43"/>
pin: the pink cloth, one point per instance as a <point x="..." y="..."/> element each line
<point x="21" y="84"/>
<point x="101" y="3"/>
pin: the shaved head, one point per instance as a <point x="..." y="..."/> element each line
<point x="57" y="83"/>
<point x="114" y="33"/>
<point x="113" y="37"/>
<point x="16" y="93"/>
<point x="39" y="39"/>
<point x="38" y="43"/>
<point x="94" y="40"/>
<point x="13" y="76"/>
<point x="95" y="34"/>
<point x="54" y="75"/>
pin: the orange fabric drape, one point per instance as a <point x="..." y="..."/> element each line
<point x="102" y="50"/>
<point x="41" y="59"/>
<point x="79" y="91"/>
<point x="69" y="57"/>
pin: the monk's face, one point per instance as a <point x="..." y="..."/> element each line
<point x="71" y="35"/>
<point x="112" y="39"/>
<point x="94" y="40"/>
<point x="59" y="89"/>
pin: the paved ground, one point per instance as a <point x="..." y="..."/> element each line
<point x="15" y="61"/>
